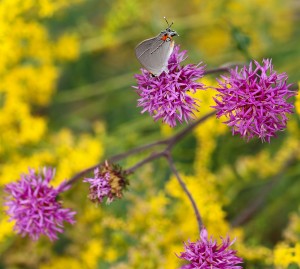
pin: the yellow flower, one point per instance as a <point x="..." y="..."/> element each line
<point x="67" y="47"/>
<point x="92" y="253"/>
<point x="285" y="255"/>
<point x="6" y="228"/>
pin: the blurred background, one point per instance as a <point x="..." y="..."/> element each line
<point x="66" y="100"/>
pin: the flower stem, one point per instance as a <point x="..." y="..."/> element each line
<point x="144" y="161"/>
<point x="170" y="142"/>
<point x="177" y="137"/>
<point x="187" y="192"/>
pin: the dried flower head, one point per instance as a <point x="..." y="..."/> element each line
<point x="32" y="204"/>
<point x="109" y="181"/>
<point x="207" y="254"/>
<point x="254" y="101"/>
<point x="169" y="95"/>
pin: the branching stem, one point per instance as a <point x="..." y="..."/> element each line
<point x="187" y="192"/>
<point x="170" y="142"/>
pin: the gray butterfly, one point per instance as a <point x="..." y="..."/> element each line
<point x="154" y="53"/>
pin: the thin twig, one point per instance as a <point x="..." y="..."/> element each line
<point x="170" y="142"/>
<point x="177" y="137"/>
<point x="223" y="68"/>
<point x="216" y="70"/>
<point x="117" y="158"/>
<point x="144" y="161"/>
<point x="79" y="175"/>
<point x="187" y="192"/>
<point x="113" y="84"/>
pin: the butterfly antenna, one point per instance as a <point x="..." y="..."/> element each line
<point x="169" y="25"/>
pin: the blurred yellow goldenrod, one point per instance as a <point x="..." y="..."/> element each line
<point x="248" y="16"/>
<point x="285" y="255"/>
<point x="5" y="227"/>
<point x="67" y="47"/>
<point x="292" y="232"/>
<point x="91" y="254"/>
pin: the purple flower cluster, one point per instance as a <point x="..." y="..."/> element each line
<point x="99" y="186"/>
<point x="207" y="254"/>
<point x="32" y="204"/>
<point x="254" y="100"/>
<point x="169" y="95"/>
<point x="109" y="181"/>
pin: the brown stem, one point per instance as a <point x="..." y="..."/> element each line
<point x="216" y="70"/>
<point x="170" y="142"/>
<point x="187" y="192"/>
<point x="144" y="161"/>
<point x="177" y="137"/>
<point x="223" y="68"/>
<point x="121" y="156"/>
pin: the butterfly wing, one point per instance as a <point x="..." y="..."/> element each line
<point x="154" y="54"/>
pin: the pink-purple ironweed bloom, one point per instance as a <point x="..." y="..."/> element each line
<point x="32" y="204"/>
<point x="169" y="95"/>
<point x="254" y="100"/>
<point x="109" y="181"/>
<point x="207" y="254"/>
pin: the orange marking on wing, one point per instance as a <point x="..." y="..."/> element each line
<point x="164" y="37"/>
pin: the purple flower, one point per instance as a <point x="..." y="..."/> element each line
<point x="109" y="181"/>
<point x="254" y="101"/>
<point x="32" y="204"/>
<point x="169" y="95"/>
<point x="206" y="254"/>
<point x="99" y="187"/>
